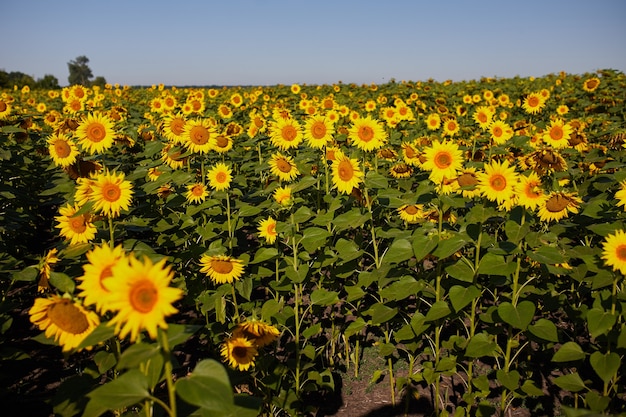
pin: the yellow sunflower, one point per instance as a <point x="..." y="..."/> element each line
<point x="283" y="167"/>
<point x="75" y="228"/>
<point x="411" y="154"/>
<point x="318" y="131"/>
<point x="260" y="333"/>
<point x="282" y="195"/>
<point x="401" y="170"/>
<point x="63" y="150"/>
<point x="286" y="133"/>
<point x="96" y="272"/>
<point x="221" y="143"/>
<point x="529" y="191"/>
<point x="196" y="193"/>
<point x="45" y="269"/>
<point x="433" y="121"/>
<point x="451" y="127"/>
<point x="498" y="181"/>
<point x="467" y="179"/>
<point x="221" y="268"/>
<point x="482" y="116"/>
<point x="533" y="103"/>
<point x="411" y="213"/>
<point x="500" y="132"/>
<point x="346" y="174"/>
<point x="64" y="320"/>
<point x="220" y="177"/>
<point x="558" y="134"/>
<point x="442" y="159"/>
<point x="111" y="193"/>
<point x="620" y="195"/>
<point x="141" y="296"/>
<point x="172" y="156"/>
<point x="174" y="127"/>
<point x="267" y="230"/>
<point x="367" y="134"/>
<point x="96" y="132"/>
<point x="557" y="205"/>
<point x="5" y="109"/>
<point x="614" y="251"/>
<point x="239" y="352"/>
<point x="591" y="84"/>
<point x="197" y="135"/>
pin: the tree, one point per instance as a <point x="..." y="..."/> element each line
<point x="99" y="81"/>
<point x="48" y="82"/>
<point x="80" y="73"/>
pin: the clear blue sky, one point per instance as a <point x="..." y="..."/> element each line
<point x="266" y="42"/>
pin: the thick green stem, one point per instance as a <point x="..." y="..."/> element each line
<point x="167" y="356"/>
<point x="230" y="228"/>
<point x="368" y="202"/>
<point x="297" y="294"/>
<point x="234" y="294"/>
<point x="392" y="380"/>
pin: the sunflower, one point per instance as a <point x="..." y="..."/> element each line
<point x="172" y="156"/>
<point x="196" y="193"/>
<point x="5" y="109"/>
<point x="442" y="159"/>
<point x="318" y="131"/>
<point x="220" y="177"/>
<point x="174" y="127"/>
<point x="239" y="352"/>
<point x="411" y="213"/>
<point x="620" y="195"/>
<point x="68" y="322"/>
<point x="557" y="205"/>
<point x="558" y="134"/>
<point x="95" y="132"/>
<point x="282" y="195"/>
<point x="283" y="167"/>
<point x="221" y="268"/>
<point x="111" y="193"/>
<point x="101" y="259"/>
<point x="451" y="127"/>
<point x="591" y="84"/>
<point x="545" y="161"/>
<point x="45" y="269"/>
<point x="500" y="132"/>
<point x="267" y="230"/>
<point x="467" y="179"/>
<point x="498" y="181"/>
<point x="286" y="133"/>
<point x="482" y="116"/>
<point x="614" y="251"/>
<point x="346" y="174"/>
<point x="401" y="170"/>
<point x="529" y="191"/>
<point x="533" y="103"/>
<point x="141" y="296"/>
<point x="236" y="100"/>
<point x="75" y="228"/>
<point x="197" y="135"/>
<point x="221" y="143"/>
<point x="260" y="333"/>
<point x="433" y="121"/>
<point x="62" y="149"/>
<point x="367" y="134"/>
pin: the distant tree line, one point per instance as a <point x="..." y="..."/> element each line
<point x="79" y="73"/>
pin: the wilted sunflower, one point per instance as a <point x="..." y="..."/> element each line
<point x="96" y="132"/>
<point x="442" y="159"/>
<point x="77" y="228"/>
<point x="367" y="134"/>
<point x="498" y="181"/>
<point x="557" y="134"/>
<point x="346" y="174"/>
<point x="196" y="193"/>
<point x="614" y="251"/>
<point x="239" y="352"/>
<point x="260" y="333"/>
<point x="221" y="268"/>
<point x="197" y="135"/>
<point x="267" y="230"/>
<point x="557" y="205"/>
<point x="318" y="131"/>
<point x="286" y="133"/>
<point x="93" y="288"/>
<point x="64" y="320"/>
<point x="282" y="195"/>
<point x="411" y="213"/>
<point x="220" y="177"/>
<point x="63" y="150"/>
<point x="545" y="161"/>
<point x="283" y="167"/>
<point x="111" y="193"/>
<point x="141" y="296"/>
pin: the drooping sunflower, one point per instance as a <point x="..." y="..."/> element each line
<point x="529" y="191"/>
<point x="346" y="174"/>
<point x="500" y="132"/>
<point x="318" y="131"/>
<point x="221" y="268"/>
<point x="172" y="156"/>
<point x="533" y="103"/>
<point x="260" y="333"/>
<point x="614" y="251"/>
<point x="286" y="133"/>
<point x="96" y="132"/>
<point x="545" y="161"/>
<point x="221" y="143"/>
<point x="401" y="170"/>
<point x="267" y="230"/>
<point x="283" y="166"/>
<point x="141" y="296"/>
<point x="367" y="134"/>
<point x="196" y="193"/>
<point x="220" y="177"/>
<point x="282" y="195"/>
<point x="93" y="287"/>
<point x="467" y="179"/>
<point x="73" y="227"/>
<point x="442" y="159"/>
<point x="591" y="84"/>
<point x="65" y="321"/>
<point x="498" y="181"/>
<point x="45" y="269"/>
<point x="410" y="154"/>
<point x="558" y="134"/>
<point x="411" y="213"/>
<point x="557" y="205"/>
<point x="111" y="193"/>
<point x="239" y="352"/>
<point x="197" y="135"/>
<point x="63" y="150"/>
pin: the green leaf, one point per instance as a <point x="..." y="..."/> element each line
<point x="449" y="246"/>
<point x="297" y="276"/>
<point x="531" y="389"/>
<point x="423" y="245"/>
<point x="413" y="329"/>
<point x="104" y="361"/>
<point x="314" y="238"/>
<point x="270" y="309"/>
<point x="492" y="264"/>
<point x="461" y="270"/>
<point x="30" y="273"/>
<point x="437" y="311"/>
<point x="509" y="379"/>
<point x="62" y="282"/>
<point x="570" y="351"/>
<point x="518" y="316"/>
<point x="311" y="331"/>
<point x="544" y="329"/>
<point x="347" y="250"/>
<point x="355" y="327"/>
<point x="302" y="215"/>
<point x="100" y="334"/>
<point x="128" y="389"/>
<point x="570" y="382"/>
<point x="462" y="296"/>
<point x="351" y="219"/>
<point x="380" y="313"/>
<point x="208" y="387"/>
<point x="480" y="345"/>
<point x="547" y="255"/>
<point x="264" y="254"/>
<point x="399" y="251"/>
<point x="374" y="180"/>
<point x="324" y="297"/>
<point x="401" y="289"/>
<point x="137" y="354"/>
<point x="516" y="232"/>
<point x="597" y="402"/>
<point x="599" y="321"/>
<point x="605" y="365"/>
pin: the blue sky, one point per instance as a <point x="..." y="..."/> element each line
<point x="266" y="42"/>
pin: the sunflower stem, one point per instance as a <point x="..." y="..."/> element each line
<point x="232" y="290"/>
<point x="111" y="233"/>
<point x="228" y="220"/>
<point x="297" y="294"/>
<point x="167" y="356"/>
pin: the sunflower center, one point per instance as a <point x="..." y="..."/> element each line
<point x="497" y="131"/>
<point x="592" y="84"/>
<point x="67" y="317"/>
<point x="443" y="160"/>
<point x="532" y="191"/>
<point x="222" y="266"/>
<point x="111" y="192"/>
<point x="366" y="133"/>
<point x="221" y="141"/>
<point x="620" y="251"/>
<point x="96" y="132"/>
<point x="77" y="224"/>
<point x="498" y="182"/>
<point x="466" y="180"/>
<point x="143" y="296"/>
<point x="199" y="135"/>
<point x="240" y="352"/>
<point x="271" y="229"/>
<point x="283" y="165"/>
<point x="318" y="130"/>
<point x="482" y="117"/>
<point x="451" y="126"/>
<point x="556" y="133"/>
<point x="258" y="122"/>
<point x="289" y="133"/>
<point x="533" y="101"/>
<point x="3" y="106"/>
<point x="177" y="126"/>
<point x="62" y="149"/>
<point x="412" y="210"/>
<point x="197" y="190"/>
<point x="557" y="203"/>
<point x="196" y="105"/>
<point x="346" y="171"/>
<point x="410" y="152"/>
<point x="221" y="177"/>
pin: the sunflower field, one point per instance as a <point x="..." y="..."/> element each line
<point x="234" y="251"/>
